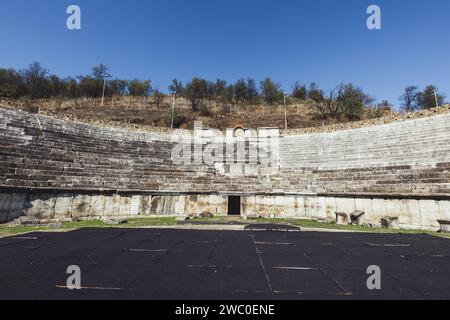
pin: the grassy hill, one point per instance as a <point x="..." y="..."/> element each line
<point x="145" y="112"/>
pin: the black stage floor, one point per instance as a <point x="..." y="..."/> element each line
<point x="223" y="265"/>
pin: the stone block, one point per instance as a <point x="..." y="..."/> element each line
<point x="81" y="206"/>
<point x="41" y="206"/>
<point x="444" y="226"/>
<point x="112" y="205"/>
<point x="17" y="207"/>
<point x="357" y="217"/>
<point x="330" y="208"/>
<point x="5" y="203"/>
<point x="125" y="205"/>
<point x="97" y="208"/>
<point x="444" y="210"/>
<point x="63" y="205"/>
<point x="164" y="205"/>
<point x="309" y="205"/>
<point x="394" y="208"/>
<point x="135" y="205"/>
<point x="378" y="210"/>
<point x="341" y="218"/>
<point x="217" y="205"/>
<point x="390" y="223"/>
<point x="320" y="209"/>
<point x="429" y="210"/>
<point x="291" y="207"/>
<point x="411" y="215"/>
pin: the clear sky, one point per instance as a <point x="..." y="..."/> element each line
<point x="326" y="41"/>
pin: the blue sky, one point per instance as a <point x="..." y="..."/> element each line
<point x="326" y="41"/>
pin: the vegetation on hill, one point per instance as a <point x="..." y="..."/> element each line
<point x="217" y="103"/>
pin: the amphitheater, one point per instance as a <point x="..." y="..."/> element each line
<point x="59" y="169"/>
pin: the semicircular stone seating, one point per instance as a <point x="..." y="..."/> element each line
<point x="56" y="169"/>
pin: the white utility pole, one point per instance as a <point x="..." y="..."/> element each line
<point x="173" y="111"/>
<point x="104" y="88"/>
<point x="285" y="111"/>
<point x="436" y="99"/>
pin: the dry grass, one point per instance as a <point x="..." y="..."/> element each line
<point x="144" y="112"/>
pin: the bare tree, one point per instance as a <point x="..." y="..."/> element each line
<point x="158" y="97"/>
<point x="410" y="99"/>
<point x="333" y="106"/>
<point x="176" y="88"/>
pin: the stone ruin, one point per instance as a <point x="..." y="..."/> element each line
<point x="56" y="170"/>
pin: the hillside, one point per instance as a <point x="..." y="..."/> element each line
<point x="145" y="113"/>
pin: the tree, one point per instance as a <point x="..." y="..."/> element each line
<point x="229" y="94"/>
<point x="344" y="99"/>
<point x="252" y="91"/>
<point x="271" y="91"/>
<point x="317" y="96"/>
<point x="410" y="99"/>
<point x="118" y="87"/>
<point x="158" y="97"/>
<point x="384" y="104"/>
<point x="195" y="92"/>
<point x="315" y="93"/>
<point x="92" y="85"/>
<point x="240" y="91"/>
<point x="139" y="88"/>
<point x="11" y="84"/>
<point x="428" y="98"/>
<point x="352" y="101"/>
<point x="56" y="86"/>
<point x="333" y="102"/>
<point x="99" y="72"/>
<point x="380" y="110"/>
<point x="89" y="87"/>
<point x="176" y="88"/>
<point x="71" y="88"/>
<point x="220" y="88"/>
<point x="36" y="82"/>
<point x="210" y="90"/>
<point x="299" y="91"/>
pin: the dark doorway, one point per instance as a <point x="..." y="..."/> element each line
<point x="234" y="206"/>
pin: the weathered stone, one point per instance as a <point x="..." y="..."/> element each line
<point x="112" y="205"/>
<point x="112" y="221"/>
<point x="429" y="210"/>
<point x="5" y="203"/>
<point x="136" y="206"/>
<point x="390" y="223"/>
<point x="216" y="205"/>
<point x="411" y="215"/>
<point x="330" y="208"/>
<point x="81" y="206"/>
<point x="125" y="206"/>
<point x="97" y="208"/>
<point x="41" y="206"/>
<point x="63" y="205"/>
<point x="444" y="226"/>
<point x="17" y="207"/>
<point x="356" y="217"/>
<point x="341" y="218"/>
<point x="206" y="214"/>
<point x="29" y="221"/>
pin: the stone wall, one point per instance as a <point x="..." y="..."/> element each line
<point x="413" y="213"/>
<point x="56" y="206"/>
<point x="52" y="168"/>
